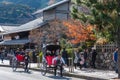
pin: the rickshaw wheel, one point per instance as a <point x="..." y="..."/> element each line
<point x="14" y="64"/>
<point x="44" y="68"/>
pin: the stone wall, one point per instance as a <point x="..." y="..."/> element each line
<point x="104" y="58"/>
<point x="103" y="61"/>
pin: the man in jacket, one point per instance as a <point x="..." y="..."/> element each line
<point x="58" y="62"/>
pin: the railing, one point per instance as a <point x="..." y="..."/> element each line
<point x="107" y="47"/>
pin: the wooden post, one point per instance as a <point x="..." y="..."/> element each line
<point x="71" y="68"/>
<point x="38" y="61"/>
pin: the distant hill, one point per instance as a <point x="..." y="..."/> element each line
<point x="20" y="11"/>
<point x="31" y="3"/>
<point x="15" y="14"/>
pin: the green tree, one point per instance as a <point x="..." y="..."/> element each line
<point x="104" y="14"/>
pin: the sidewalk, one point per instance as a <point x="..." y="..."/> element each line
<point x="88" y="74"/>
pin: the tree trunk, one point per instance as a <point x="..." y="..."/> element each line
<point x="118" y="40"/>
<point x="118" y="43"/>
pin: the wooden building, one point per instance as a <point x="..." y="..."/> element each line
<point x="17" y="36"/>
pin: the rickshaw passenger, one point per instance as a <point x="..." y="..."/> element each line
<point x="49" y="57"/>
<point x="57" y="52"/>
<point x="48" y="53"/>
<point x="53" y="53"/>
<point x="22" y="52"/>
<point x="58" y="61"/>
<point x="17" y="52"/>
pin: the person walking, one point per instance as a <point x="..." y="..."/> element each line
<point x="65" y="56"/>
<point x="82" y="61"/>
<point x="85" y="57"/>
<point x="34" y="56"/>
<point x="94" y="54"/>
<point x="115" y="59"/>
<point x="2" y="55"/>
<point x="76" y="58"/>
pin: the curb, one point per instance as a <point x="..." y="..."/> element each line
<point x="5" y="65"/>
<point x="65" y="74"/>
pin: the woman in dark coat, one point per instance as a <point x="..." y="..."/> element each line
<point x="94" y="54"/>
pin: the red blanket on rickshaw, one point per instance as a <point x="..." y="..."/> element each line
<point x="20" y="57"/>
<point x="49" y="59"/>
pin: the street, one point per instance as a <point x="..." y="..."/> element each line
<point x="7" y="74"/>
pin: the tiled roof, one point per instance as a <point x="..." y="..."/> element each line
<point x="26" y="27"/>
<point x="51" y="6"/>
<point x="15" y="42"/>
<point x="7" y="28"/>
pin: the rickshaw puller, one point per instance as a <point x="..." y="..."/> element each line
<point x="26" y="60"/>
<point x="58" y="62"/>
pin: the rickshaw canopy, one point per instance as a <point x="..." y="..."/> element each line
<point x="53" y="47"/>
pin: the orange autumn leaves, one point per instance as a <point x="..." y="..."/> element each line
<point x="77" y="32"/>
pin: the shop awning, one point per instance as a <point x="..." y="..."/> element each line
<point x="15" y="42"/>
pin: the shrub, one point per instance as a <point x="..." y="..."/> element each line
<point x="40" y="56"/>
<point x="70" y="52"/>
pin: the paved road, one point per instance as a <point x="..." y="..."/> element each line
<point x="8" y="74"/>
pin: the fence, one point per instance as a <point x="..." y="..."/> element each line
<point x="106" y="48"/>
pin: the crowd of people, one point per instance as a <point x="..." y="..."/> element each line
<point x="87" y="58"/>
<point x="81" y="58"/>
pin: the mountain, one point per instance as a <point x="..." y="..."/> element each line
<point x="31" y="3"/>
<point x="15" y="14"/>
<point x="20" y="11"/>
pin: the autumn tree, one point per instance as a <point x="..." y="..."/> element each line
<point x="78" y="32"/>
<point x="49" y="33"/>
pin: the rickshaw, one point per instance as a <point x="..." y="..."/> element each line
<point x="18" y="61"/>
<point x="47" y="58"/>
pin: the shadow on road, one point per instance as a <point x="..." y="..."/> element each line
<point x="59" y="78"/>
<point x="18" y="71"/>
